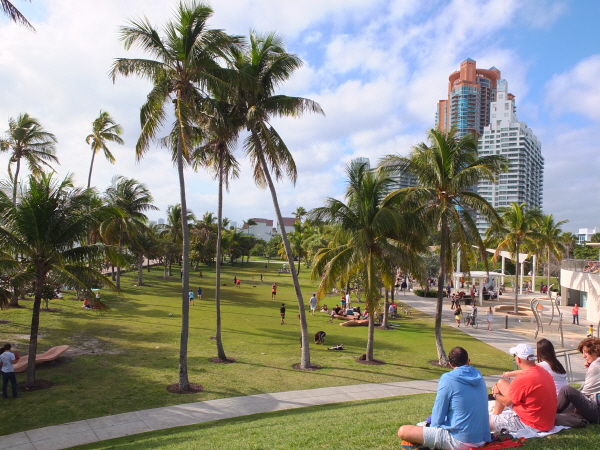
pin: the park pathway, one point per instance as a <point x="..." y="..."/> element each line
<point x="126" y="424"/>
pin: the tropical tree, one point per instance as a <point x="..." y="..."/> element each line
<point x="372" y="238"/>
<point x="47" y="229"/>
<point x="27" y="139"/>
<point x="13" y="14"/>
<point x="104" y="129"/>
<point x="249" y="224"/>
<point x="551" y="238"/>
<point x="446" y="170"/>
<point x="129" y="200"/>
<point x="515" y="231"/>
<point x="263" y="66"/>
<point x="299" y="213"/>
<point x="183" y="65"/>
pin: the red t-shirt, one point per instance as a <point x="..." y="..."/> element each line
<point x="576" y="310"/>
<point x="533" y="394"/>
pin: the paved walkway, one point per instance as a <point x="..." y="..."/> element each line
<point x="119" y="425"/>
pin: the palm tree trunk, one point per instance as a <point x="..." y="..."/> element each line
<point x="35" y="325"/>
<point x="442" y="358"/>
<point x="548" y="283"/>
<point x="370" y="338"/>
<point x="184" y="382"/>
<point x="120" y="256"/>
<point x="220" y="351"/>
<point x="384" y="323"/>
<point x="91" y="167"/>
<point x="16" y="181"/>
<point x="518" y="245"/>
<point x="140" y="261"/>
<point x="305" y="361"/>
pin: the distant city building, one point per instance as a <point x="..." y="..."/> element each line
<point x="288" y="224"/>
<point x="470" y="93"/>
<point x="585" y="234"/>
<point x="506" y="136"/>
<point x="161" y="221"/>
<point x="362" y="160"/>
<point x="263" y="229"/>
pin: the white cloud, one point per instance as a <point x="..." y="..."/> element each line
<point x="577" y="90"/>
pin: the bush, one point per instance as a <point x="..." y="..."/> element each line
<point x="422" y="293"/>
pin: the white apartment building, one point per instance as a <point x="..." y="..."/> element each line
<point x="585" y="234"/>
<point x="506" y="136"/>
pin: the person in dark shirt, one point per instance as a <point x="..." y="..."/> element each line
<point x="282" y="313"/>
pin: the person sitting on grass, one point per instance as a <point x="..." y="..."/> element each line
<point x="459" y="420"/>
<point x="532" y="396"/>
<point x="320" y="337"/>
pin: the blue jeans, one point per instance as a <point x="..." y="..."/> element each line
<point x="6" y="377"/>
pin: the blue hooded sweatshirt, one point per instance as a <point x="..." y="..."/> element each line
<point x="461" y="405"/>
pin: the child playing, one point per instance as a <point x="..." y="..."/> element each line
<point x="590" y="331"/>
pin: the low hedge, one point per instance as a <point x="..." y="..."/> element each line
<point x="422" y="293"/>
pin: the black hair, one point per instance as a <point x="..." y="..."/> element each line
<point x="458" y="356"/>
<point x="545" y="352"/>
<point x="6" y="348"/>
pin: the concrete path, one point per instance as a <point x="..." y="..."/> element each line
<point x="109" y="427"/>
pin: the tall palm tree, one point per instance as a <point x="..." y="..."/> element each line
<point x="263" y="66"/>
<point x="551" y="238"/>
<point x="104" y="129"/>
<point x="299" y="213"/>
<point x="47" y="229"/>
<point x="515" y="231"/>
<point x="130" y="200"/>
<point x="372" y="239"/>
<point x="446" y="170"/>
<point x="27" y="139"/>
<point x="183" y="64"/>
<point x="14" y="14"/>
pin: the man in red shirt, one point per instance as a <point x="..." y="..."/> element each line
<point x="575" y="314"/>
<point x="532" y="396"/>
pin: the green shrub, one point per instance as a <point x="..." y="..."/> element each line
<point x="422" y="293"/>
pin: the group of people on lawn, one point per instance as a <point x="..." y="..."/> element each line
<point x="530" y="400"/>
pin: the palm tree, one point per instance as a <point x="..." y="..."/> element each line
<point x="104" y="129"/>
<point x="27" y="139"/>
<point x="129" y="200"/>
<point x="14" y="14"/>
<point x="47" y="229"/>
<point x="517" y="229"/>
<point x="299" y="213"/>
<point x="446" y="171"/>
<point x="372" y="238"/>
<point x="184" y="64"/>
<point x="263" y="66"/>
<point x="249" y="223"/>
<point x="551" y="238"/>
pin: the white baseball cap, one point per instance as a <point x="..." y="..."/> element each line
<point x="523" y="351"/>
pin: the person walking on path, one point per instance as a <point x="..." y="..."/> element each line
<point x="191" y="295"/>
<point x="575" y="313"/>
<point x="282" y="313"/>
<point x="489" y="316"/>
<point x="199" y="293"/>
<point x="7" y="359"/>
<point x="313" y="304"/>
<point x="459" y="419"/>
<point x="458" y="315"/>
<point x="273" y="291"/>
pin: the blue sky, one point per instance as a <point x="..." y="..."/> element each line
<point x="377" y="68"/>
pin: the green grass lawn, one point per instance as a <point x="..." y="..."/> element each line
<point x="128" y="354"/>
<point x="371" y="424"/>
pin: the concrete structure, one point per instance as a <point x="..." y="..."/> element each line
<point x="506" y="136"/>
<point x="585" y="234"/>
<point x="262" y="230"/>
<point x="288" y="224"/>
<point x="470" y="92"/>
<point x="583" y="288"/>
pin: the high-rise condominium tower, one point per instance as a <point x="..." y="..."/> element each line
<point x="506" y="136"/>
<point x="470" y="92"/>
<point x="479" y="103"/>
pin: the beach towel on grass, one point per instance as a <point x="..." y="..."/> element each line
<point x="506" y="442"/>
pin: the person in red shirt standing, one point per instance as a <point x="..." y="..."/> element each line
<point x="532" y="396"/>
<point x="575" y="314"/>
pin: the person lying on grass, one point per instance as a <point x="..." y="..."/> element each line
<point x="459" y="420"/>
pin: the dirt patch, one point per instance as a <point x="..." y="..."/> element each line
<point x="312" y="367"/>
<point x="194" y="389"/>
<point x="4" y="322"/>
<point x="362" y="359"/>
<point x="91" y="346"/>
<point x="436" y="363"/>
<point x="37" y="386"/>
<point x="222" y="361"/>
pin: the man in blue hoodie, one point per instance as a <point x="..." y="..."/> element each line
<point x="459" y="420"/>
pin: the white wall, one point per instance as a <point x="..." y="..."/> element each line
<point x="585" y="282"/>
